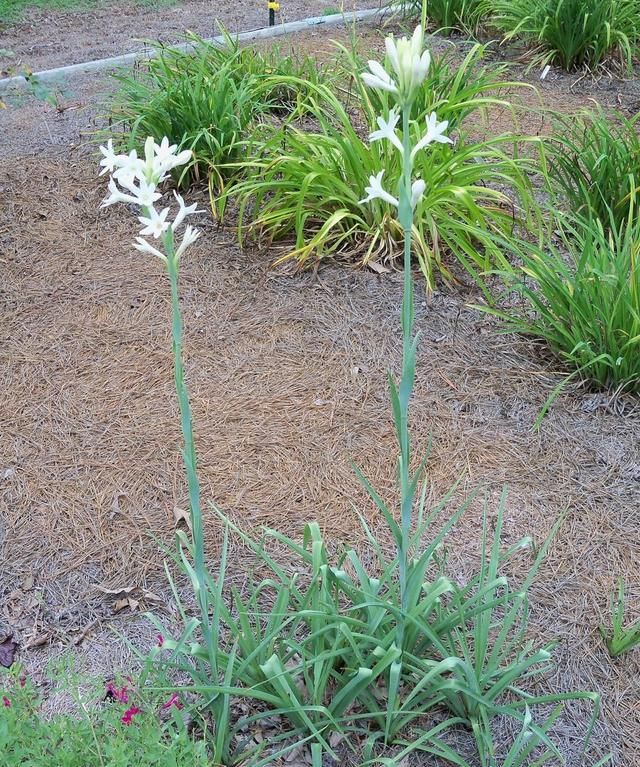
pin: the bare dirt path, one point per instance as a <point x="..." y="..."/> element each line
<point x="48" y="39"/>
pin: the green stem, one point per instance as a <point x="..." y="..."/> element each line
<point x="189" y="450"/>
<point x="408" y="368"/>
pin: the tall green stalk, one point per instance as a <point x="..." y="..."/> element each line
<point x="189" y="450"/>
<point x="403" y="393"/>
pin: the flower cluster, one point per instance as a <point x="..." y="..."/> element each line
<point x="135" y="181"/>
<point x="410" y="65"/>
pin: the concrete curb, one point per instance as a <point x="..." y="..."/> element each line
<point x="51" y="75"/>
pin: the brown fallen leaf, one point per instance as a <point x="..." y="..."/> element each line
<point x="377" y="267"/>
<point x="180" y="515"/>
<point x="129" y="602"/>
<point x="39" y="640"/>
<point x="7" y="651"/>
<point x="115" y="505"/>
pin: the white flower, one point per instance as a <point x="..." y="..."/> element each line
<point x="177" y="160"/>
<point x="156" y="224"/>
<point x="144" y="247"/>
<point x="188" y="238"/>
<point x="435" y="132"/>
<point x="184" y="210"/>
<point x="410" y="62"/>
<point x="130" y="168"/>
<point x="146" y="194"/>
<point x="110" y="160"/>
<point x="388" y="130"/>
<point x="378" y="78"/>
<point x="417" y="190"/>
<point x="375" y="191"/>
<point x="163" y="151"/>
<point x="117" y="196"/>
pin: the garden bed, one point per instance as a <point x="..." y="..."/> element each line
<point x="288" y="380"/>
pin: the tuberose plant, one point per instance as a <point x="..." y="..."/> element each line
<point x="338" y="647"/>
<point x="302" y="191"/>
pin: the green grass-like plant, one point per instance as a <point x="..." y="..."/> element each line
<point x="571" y="33"/>
<point x="207" y="99"/>
<point x="593" y="163"/>
<point x="582" y="296"/>
<point x="306" y="185"/>
<point x="620" y="639"/>
<point x="446" y="16"/>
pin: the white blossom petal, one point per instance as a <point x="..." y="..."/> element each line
<point x="376" y="192"/>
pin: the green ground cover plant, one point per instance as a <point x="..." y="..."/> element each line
<point x="446" y="16"/>
<point x="392" y="657"/>
<point x="116" y="724"/>
<point x="582" y="296"/>
<point x="305" y="183"/>
<point x="571" y="33"/>
<point x="593" y="162"/>
<point x="207" y="99"/>
<point x="620" y="639"/>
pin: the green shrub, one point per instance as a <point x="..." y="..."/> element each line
<point x="447" y="15"/>
<point x="98" y="732"/>
<point x="583" y="297"/>
<point x="571" y="33"/>
<point x="207" y="99"/>
<point x="306" y="184"/>
<point x="594" y="164"/>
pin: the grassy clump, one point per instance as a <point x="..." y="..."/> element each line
<point x="594" y="164"/>
<point x="571" y="33"/>
<point x="207" y="99"/>
<point x="446" y="15"/>
<point x="307" y="184"/>
<point x="582" y="296"/>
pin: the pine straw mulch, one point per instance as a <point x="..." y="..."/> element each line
<point x="287" y="375"/>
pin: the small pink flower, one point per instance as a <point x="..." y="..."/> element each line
<point x="22" y="681"/>
<point x="128" y="715"/>
<point x="160" y="639"/>
<point x="174" y="700"/>
<point x="120" y="695"/>
<point x="6" y="702"/>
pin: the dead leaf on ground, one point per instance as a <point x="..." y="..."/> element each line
<point x="115" y="504"/>
<point x="39" y="640"/>
<point x="129" y="602"/>
<point x="180" y="515"/>
<point x="377" y="267"/>
<point x="7" y="651"/>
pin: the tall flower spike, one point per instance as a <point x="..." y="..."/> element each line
<point x="388" y="130"/>
<point x="376" y="192"/>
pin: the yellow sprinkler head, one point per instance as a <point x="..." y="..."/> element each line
<point x="272" y="6"/>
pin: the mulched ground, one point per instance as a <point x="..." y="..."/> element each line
<point x="288" y="379"/>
